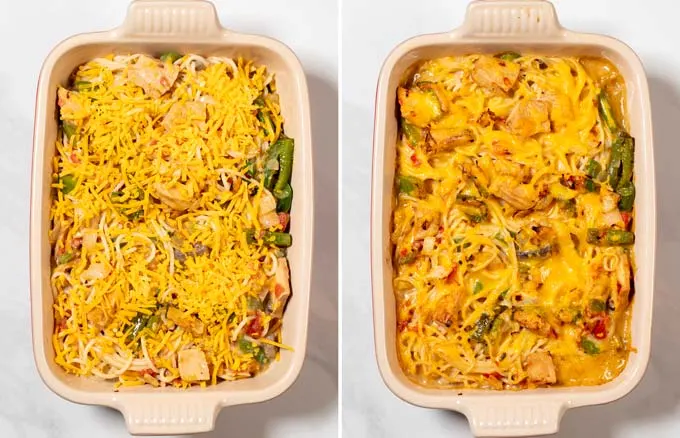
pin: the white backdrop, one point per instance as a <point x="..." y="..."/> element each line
<point x="370" y="31"/>
<point x="29" y="29"/>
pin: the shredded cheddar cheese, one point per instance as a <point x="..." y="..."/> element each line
<point x="511" y="222"/>
<point x="165" y="269"/>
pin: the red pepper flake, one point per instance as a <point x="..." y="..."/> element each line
<point x="403" y="252"/>
<point x="402" y="325"/>
<point x="74" y="158"/>
<point x="278" y="290"/>
<point x="165" y="82"/>
<point x="415" y="160"/>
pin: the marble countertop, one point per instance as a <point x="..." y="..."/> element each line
<point x="28" y="409"/>
<point x="371" y="30"/>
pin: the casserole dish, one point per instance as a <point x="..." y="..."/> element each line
<point x="154" y="27"/>
<point x="494" y="26"/>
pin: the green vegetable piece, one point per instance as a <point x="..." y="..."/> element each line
<point x="69" y="129"/>
<point x="265" y="121"/>
<point x="626" y="192"/>
<point x="138" y="323"/>
<point x="245" y="345"/>
<point x="154" y="323"/>
<point x="591" y="185"/>
<point x="82" y="85"/>
<point x="68" y="183"/>
<point x="278" y="239"/>
<point x="509" y="56"/>
<point x="482" y="327"/>
<point x="170" y="57"/>
<point x="609" y="237"/>
<point x="136" y="215"/>
<point x="627" y="154"/>
<point x="259" y="101"/>
<point x="260" y="356"/>
<point x="470" y="192"/>
<point x="284" y="203"/>
<point x="406" y="259"/>
<point x="589" y="347"/>
<point x="593" y="168"/>
<point x="477" y="287"/>
<point x="231" y="317"/>
<point x="413" y="133"/>
<point x="614" y="168"/>
<point x="407" y="184"/>
<point x="597" y="306"/>
<point x="254" y="303"/>
<point x="607" y="114"/>
<point x="569" y="207"/>
<point x="250" y="168"/>
<point x="476" y="211"/>
<point x="64" y="258"/>
<point x="285" y="155"/>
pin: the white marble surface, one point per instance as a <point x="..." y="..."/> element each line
<point x="371" y="29"/>
<point x="29" y="30"/>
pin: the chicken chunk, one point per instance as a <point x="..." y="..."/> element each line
<point x="533" y="321"/>
<point x="174" y="197"/>
<point x="448" y="308"/>
<point x="268" y="216"/>
<point x="446" y="140"/>
<point x="98" y="318"/>
<point x="192" y="365"/>
<point x="619" y="298"/>
<point x="529" y="117"/>
<point x="70" y="104"/>
<point x="181" y="113"/>
<point x="281" y="287"/>
<point x="153" y="76"/>
<point x="419" y="108"/>
<point x="495" y="74"/>
<point x="519" y="196"/>
<point x="540" y="368"/>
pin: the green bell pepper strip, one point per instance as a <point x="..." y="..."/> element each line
<point x="609" y="237"/>
<point x="68" y="183"/>
<point x="170" y="57"/>
<point x="285" y="155"/>
<point x="284" y="203"/>
<point x="626" y="192"/>
<point x="614" y="168"/>
<point x="509" y="56"/>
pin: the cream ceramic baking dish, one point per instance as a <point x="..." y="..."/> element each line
<point x="492" y="26"/>
<point x="154" y="27"/>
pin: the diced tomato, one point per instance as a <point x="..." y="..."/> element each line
<point x="627" y="218"/>
<point x="278" y="290"/>
<point x="76" y="242"/>
<point x="254" y="327"/>
<point x="403" y="252"/>
<point x="74" y="158"/>
<point x="415" y="160"/>
<point x="600" y="329"/>
<point x="283" y="220"/>
<point x="402" y="325"/>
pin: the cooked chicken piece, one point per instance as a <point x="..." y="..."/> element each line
<point x="495" y="74"/>
<point x="529" y="117"/>
<point x="419" y="107"/>
<point x="268" y="216"/>
<point x="520" y="196"/>
<point x="533" y="322"/>
<point x="186" y="321"/>
<point x="619" y="299"/>
<point x="68" y="102"/>
<point x="98" y="318"/>
<point x="281" y="287"/>
<point x="541" y="369"/>
<point x="174" y="197"/>
<point x="154" y="76"/>
<point x="192" y="365"/>
<point x="448" y="308"/>
<point x="446" y="140"/>
<point x="184" y="112"/>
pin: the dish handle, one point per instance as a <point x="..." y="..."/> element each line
<point x="511" y="18"/>
<point x="171" y="18"/>
<point x="514" y="418"/>
<point x="171" y="416"/>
